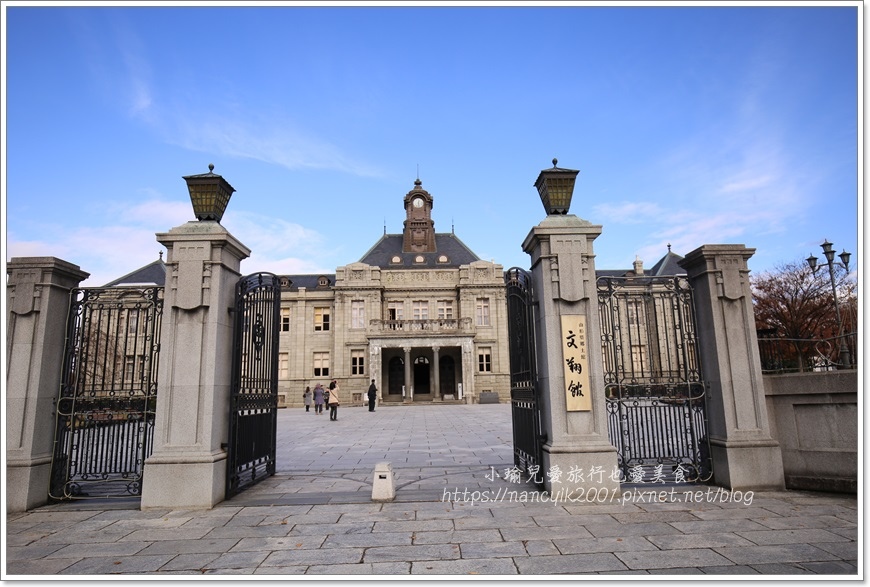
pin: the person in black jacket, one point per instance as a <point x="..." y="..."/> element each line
<point x="373" y="394"/>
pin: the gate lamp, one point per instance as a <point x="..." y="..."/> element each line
<point x="556" y="187"/>
<point x="209" y="193"/>
<point x="828" y="250"/>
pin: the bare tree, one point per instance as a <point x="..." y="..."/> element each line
<point x="792" y="302"/>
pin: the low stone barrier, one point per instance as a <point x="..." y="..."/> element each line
<point x="814" y="417"/>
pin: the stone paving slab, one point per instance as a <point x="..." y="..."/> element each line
<point x="316" y="517"/>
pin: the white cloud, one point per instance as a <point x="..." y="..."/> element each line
<point x="109" y="252"/>
<point x="271" y="141"/>
<point x="743" y="185"/>
<point x="628" y="212"/>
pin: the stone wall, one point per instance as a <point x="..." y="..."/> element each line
<point x="814" y="416"/>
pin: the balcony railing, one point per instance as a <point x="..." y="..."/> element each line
<point x="406" y="326"/>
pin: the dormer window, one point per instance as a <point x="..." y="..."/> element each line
<point x="443" y="259"/>
<point x="396" y="260"/>
<point x="285" y="282"/>
<point x="322" y="281"/>
<point x="419" y="259"/>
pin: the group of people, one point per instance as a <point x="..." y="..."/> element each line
<point x="330" y="398"/>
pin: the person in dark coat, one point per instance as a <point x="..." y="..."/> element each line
<point x="318" y="399"/>
<point x="373" y="395"/>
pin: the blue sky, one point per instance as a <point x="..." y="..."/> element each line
<point x="690" y="125"/>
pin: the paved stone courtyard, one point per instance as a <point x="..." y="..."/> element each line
<point x="455" y="513"/>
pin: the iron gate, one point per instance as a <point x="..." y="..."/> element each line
<point x="104" y="412"/>
<point x="254" y="392"/>
<point x="525" y="402"/>
<point x="656" y="399"/>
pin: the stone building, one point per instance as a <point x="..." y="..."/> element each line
<point x="419" y="313"/>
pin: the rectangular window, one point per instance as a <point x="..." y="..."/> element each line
<point x="285" y="319"/>
<point x="484" y="360"/>
<point x="135" y="322"/>
<point x="357" y="314"/>
<point x="321" y="364"/>
<point x="483" y="311"/>
<point x="321" y="319"/>
<point x="395" y="311"/>
<point x="445" y="310"/>
<point x="357" y="363"/>
<point x="421" y="310"/>
<point x="283" y="365"/>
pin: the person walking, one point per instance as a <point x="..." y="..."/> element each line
<point x="306" y="398"/>
<point x="318" y="399"/>
<point x="334" y="401"/>
<point x="373" y="395"/>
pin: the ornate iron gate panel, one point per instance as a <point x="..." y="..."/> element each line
<point x="254" y="393"/>
<point x="104" y="413"/>
<point x="525" y="407"/>
<point x="656" y="399"/>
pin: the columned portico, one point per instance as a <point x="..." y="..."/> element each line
<point x="428" y="370"/>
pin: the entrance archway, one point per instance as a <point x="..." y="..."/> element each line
<point x="395" y="376"/>
<point x="421" y="376"/>
<point x="447" y="375"/>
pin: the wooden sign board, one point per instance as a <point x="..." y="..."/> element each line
<point x="576" y="363"/>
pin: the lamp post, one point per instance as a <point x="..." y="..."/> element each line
<point x="209" y="194"/>
<point x="828" y="249"/>
<point x="556" y="187"/>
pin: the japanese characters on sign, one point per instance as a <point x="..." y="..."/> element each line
<point x="576" y="363"/>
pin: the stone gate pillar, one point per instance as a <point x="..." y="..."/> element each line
<point x="37" y="300"/>
<point x="187" y="468"/>
<point x="745" y="456"/>
<point x="574" y="415"/>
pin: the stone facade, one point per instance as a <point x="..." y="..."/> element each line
<point x="419" y="313"/>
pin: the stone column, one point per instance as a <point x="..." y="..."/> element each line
<point x="468" y="371"/>
<point x="409" y="385"/>
<point x="436" y="376"/>
<point x="563" y="276"/>
<point x="187" y="468"/>
<point x="38" y="300"/>
<point x="375" y="366"/>
<point x="745" y="456"/>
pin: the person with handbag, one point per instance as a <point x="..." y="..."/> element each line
<point x="334" y="401"/>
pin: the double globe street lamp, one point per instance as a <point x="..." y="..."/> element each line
<point x="828" y="249"/>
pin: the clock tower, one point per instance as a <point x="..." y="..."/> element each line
<point x="419" y="234"/>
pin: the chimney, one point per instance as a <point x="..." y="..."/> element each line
<point x="638" y="266"/>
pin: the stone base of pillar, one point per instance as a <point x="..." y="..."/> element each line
<point x="581" y="459"/>
<point x="747" y="466"/>
<point x="27" y="485"/>
<point x="195" y="482"/>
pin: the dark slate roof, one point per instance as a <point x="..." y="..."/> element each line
<point x="667" y="265"/>
<point x="390" y="245"/>
<point x="151" y="274"/>
<point x="308" y="281"/>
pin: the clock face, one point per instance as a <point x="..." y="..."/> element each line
<point x="418" y="202"/>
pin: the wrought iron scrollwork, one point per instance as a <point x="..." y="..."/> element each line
<point x="104" y="412"/>
<point x="254" y="395"/>
<point x="656" y="399"/>
<point x="525" y="408"/>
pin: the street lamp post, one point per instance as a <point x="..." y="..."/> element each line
<point x="828" y="249"/>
